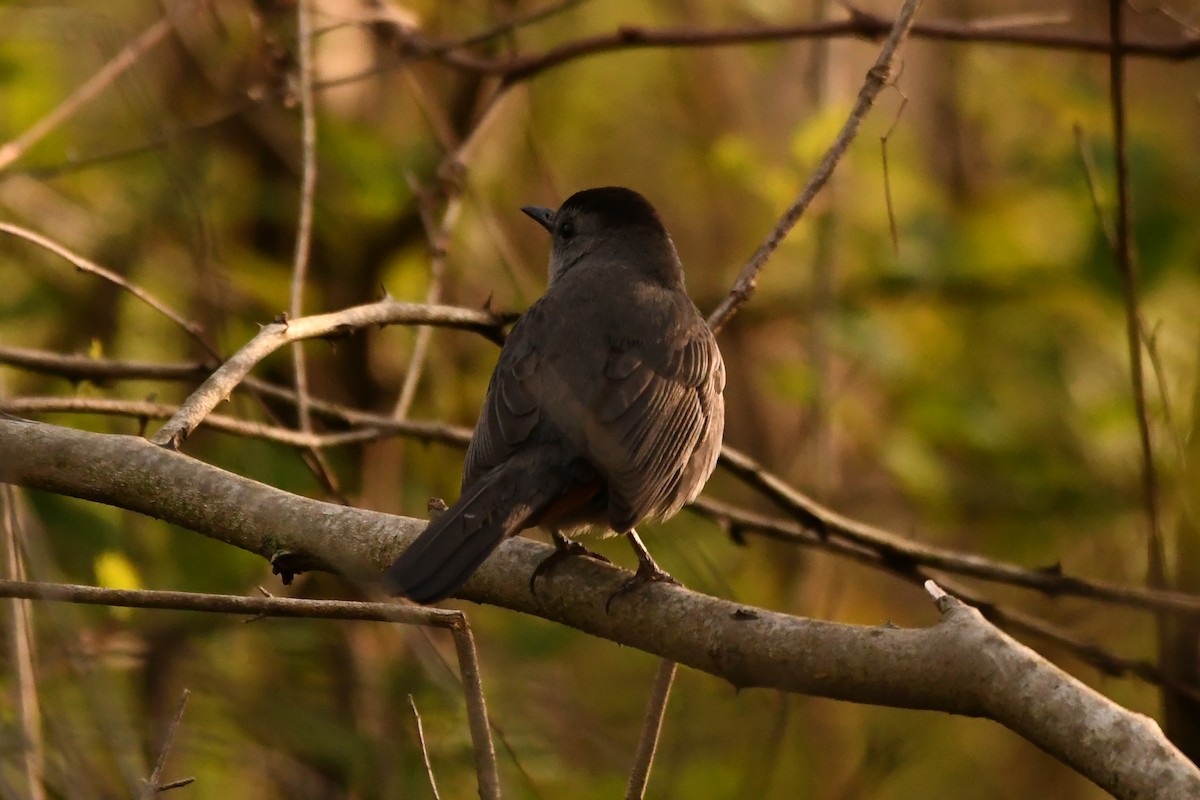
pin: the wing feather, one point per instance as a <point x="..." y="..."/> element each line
<point x="649" y="419"/>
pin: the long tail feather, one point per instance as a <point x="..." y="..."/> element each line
<point x="499" y="504"/>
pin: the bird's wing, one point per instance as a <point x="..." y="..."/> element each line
<point x="510" y="410"/>
<point x="659" y="402"/>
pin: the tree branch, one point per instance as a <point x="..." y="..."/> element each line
<point x="877" y="77"/>
<point x="961" y="665"/>
<point x="339" y="323"/>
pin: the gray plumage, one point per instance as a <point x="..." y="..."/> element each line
<point x="605" y="408"/>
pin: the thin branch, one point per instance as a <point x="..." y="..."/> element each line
<point x="155" y="785"/>
<point x="517" y="22"/>
<point x="85" y="265"/>
<point x="901" y="550"/>
<point x="656" y="710"/>
<point x="439" y="240"/>
<point x="887" y="181"/>
<point x="877" y="77"/>
<point x="21" y="641"/>
<point x="1090" y="174"/>
<point x="292" y="607"/>
<point x="377" y="426"/>
<point x="88" y="91"/>
<point x="385" y="312"/>
<point x="308" y="188"/>
<point x="76" y="367"/>
<point x="424" y="750"/>
<point x="860" y="25"/>
<point x="1129" y="287"/>
<point x="477" y="717"/>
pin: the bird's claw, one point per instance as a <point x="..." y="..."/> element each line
<point x="647" y="572"/>
<point x="563" y="549"/>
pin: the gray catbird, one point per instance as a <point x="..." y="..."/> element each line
<point x="605" y="407"/>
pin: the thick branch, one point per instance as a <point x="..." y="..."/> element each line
<point x="961" y="665"/>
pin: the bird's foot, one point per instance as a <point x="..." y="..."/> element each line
<point x="647" y="572"/>
<point x="564" y="548"/>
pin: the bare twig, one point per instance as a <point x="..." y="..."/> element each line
<point x="439" y="240"/>
<point x="154" y="785"/>
<point x="88" y="91"/>
<point x="902" y="550"/>
<point x="1012" y="30"/>
<point x="517" y="22"/>
<point x="887" y="181"/>
<point x="860" y="24"/>
<point x="29" y="714"/>
<point x="1129" y="286"/>
<point x="377" y="426"/>
<point x="276" y="335"/>
<point x="1090" y="176"/>
<point x="877" y="77"/>
<point x="233" y="604"/>
<point x="424" y="750"/>
<point x="308" y="187"/>
<point x="75" y="367"/>
<point x="656" y="710"/>
<point x="86" y="265"/>
<point x="477" y="717"/>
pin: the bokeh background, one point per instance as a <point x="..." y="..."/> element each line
<point x="965" y="383"/>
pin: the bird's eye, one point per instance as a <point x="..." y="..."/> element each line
<point x="567" y="229"/>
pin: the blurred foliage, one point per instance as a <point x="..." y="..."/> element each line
<point x="968" y="386"/>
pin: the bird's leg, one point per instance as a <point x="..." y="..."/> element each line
<point x="647" y="572"/>
<point x="563" y="548"/>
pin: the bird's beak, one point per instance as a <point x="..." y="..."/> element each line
<point x="542" y="216"/>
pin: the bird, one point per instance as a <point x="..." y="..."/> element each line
<point x="605" y="408"/>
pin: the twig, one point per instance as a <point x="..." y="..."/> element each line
<point x="308" y="187"/>
<point x="86" y="265"/>
<point x="29" y="714"/>
<point x="877" y="77"/>
<point x="887" y="180"/>
<point x="75" y="367"/>
<point x="1090" y="176"/>
<point x="424" y="750"/>
<point x="477" y="717"/>
<point x="899" y="549"/>
<point x="154" y="784"/>
<point x="233" y="604"/>
<point x="218" y="385"/>
<point x="860" y="24"/>
<point x="1129" y="286"/>
<point x="377" y="426"/>
<point x="656" y="710"/>
<point x="439" y="240"/>
<point x="512" y="25"/>
<point x="86" y="92"/>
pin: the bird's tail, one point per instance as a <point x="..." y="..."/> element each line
<point x="502" y="502"/>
